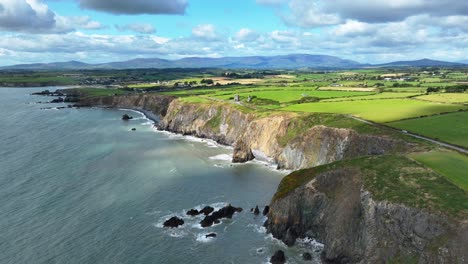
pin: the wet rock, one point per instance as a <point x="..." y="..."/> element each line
<point x="193" y="212"/>
<point x="127" y="117"/>
<point x="242" y="152"/>
<point x="173" y="222"/>
<point x="210" y="235"/>
<point x="225" y="212"/>
<point x="278" y="258"/>
<point x="57" y="100"/>
<point x="307" y="256"/>
<point x="207" y="210"/>
<point x="266" y="210"/>
<point x="256" y="210"/>
<point x="133" y="129"/>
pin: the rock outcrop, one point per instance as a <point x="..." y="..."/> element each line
<point x="242" y="153"/>
<point x="334" y="206"/>
<point x="173" y="222"/>
<point x="154" y="106"/>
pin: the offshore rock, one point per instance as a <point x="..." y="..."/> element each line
<point x="278" y="258"/>
<point x="173" y="222"/>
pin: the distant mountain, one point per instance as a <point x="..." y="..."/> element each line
<point x="294" y="61"/>
<point x="69" y="65"/>
<point x="420" y="63"/>
<point x="463" y="61"/>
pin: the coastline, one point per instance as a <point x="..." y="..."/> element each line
<point x="260" y="157"/>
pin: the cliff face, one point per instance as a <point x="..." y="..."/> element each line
<point x="316" y="146"/>
<point x="153" y="105"/>
<point x="335" y="208"/>
<point x="250" y="134"/>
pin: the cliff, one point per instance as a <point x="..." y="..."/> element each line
<point x="385" y="209"/>
<point x="154" y="106"/>
<point x="290" y="140"/>
<point x="293" y="142"/>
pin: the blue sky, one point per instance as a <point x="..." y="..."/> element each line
<point x="103" y="30"/>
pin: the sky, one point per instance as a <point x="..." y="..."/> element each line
<point x="95" y="31"/>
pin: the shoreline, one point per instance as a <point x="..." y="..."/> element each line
<point x="264" y="160"/>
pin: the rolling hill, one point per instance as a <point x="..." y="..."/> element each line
<point x="293" y="61"/>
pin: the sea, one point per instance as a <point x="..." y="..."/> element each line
<point x="79" y="186"/>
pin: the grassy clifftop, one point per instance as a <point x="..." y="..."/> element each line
<point x="395" y="179"/>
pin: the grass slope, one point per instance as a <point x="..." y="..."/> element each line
<point x="408" y="183"/>
<point x="451" y="128"/>
<point x="452" y="165"/>
<point x="377" y="110"/>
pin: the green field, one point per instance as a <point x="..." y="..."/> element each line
<point x="457" y="98"/>
<point x="451" y="128"/>
<point x="452" y="165"/>
<point x="385" y="95"/>
<point x="284" y="96"/>
<point x="377" y="110"/>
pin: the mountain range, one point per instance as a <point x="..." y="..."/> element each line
<point x="293" y="61"/>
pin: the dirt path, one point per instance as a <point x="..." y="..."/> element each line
<point x="440" y="143"/>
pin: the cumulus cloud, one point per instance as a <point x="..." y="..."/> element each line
<point x="313" y="13"/>
<point x="246" y="35"/>
<point x="33" y="16"/>
<point x="136" y="6"/>
<point x="205" y="32"/>
<point x="307" y="14"/>
<point x="26" y="16"/>
<point x="394" y="10"/>
<point x="143" y="28"/>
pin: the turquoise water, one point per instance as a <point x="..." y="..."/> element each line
<point x="77" y="186"/>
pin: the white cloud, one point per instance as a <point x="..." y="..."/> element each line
<point x="33" y="16"/>
<point x="205" y="32"/>
<point x="26" y="16"/>
<point x="308" y="14"/>
<point x="246" y="35"/>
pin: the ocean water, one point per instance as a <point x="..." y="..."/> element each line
<point x="78" y="186"/>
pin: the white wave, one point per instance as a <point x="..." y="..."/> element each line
<point x="202" y="238"/>
<point x="224" y="157"/>
<point x="310" y="242"/>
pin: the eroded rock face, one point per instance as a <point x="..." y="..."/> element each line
<point x="242" y="152"/>
<point x="322" y="145"/>
<point x="335" y="209"/>
<point x="250" y="134"/>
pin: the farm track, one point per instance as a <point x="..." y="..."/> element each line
<point x="440" y="143"/>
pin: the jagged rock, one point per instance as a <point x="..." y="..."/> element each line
<point x="207" y="210"/>
<point x="210" y="235"/>
<point x="225" y="212"/>
<point x="278" y="258"/>
<point x="173" y="222"/>
<point x="266" y="210"/>
<point x="256" y="210"/>
<point x="57" y="100"/>
<point x="307" y="256"/>
<point x="193" y="212"/>
<point x="242" y="152"/>
<point x="126" y="117"/>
